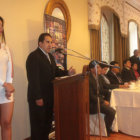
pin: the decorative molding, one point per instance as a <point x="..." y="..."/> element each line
<point x="133" y="6"/>
<point x="122" y="9"/>
<point x="52" y="4"/>
<point x="134" y="3"/>
<point x="96" y="27"/>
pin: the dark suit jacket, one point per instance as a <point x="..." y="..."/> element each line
<point x="135" y="59"/>
<point x="113" y="79"/>
<point x="127" y="75"/>
<point x="40" y="74"/>
<point x="106" y="85"/>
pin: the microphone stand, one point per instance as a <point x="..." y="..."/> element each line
<point x="98" y="101"/>
<point x="78" y="56"/>
<point x="97" y="82"/>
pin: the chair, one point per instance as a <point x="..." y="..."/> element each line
<point x="93" y="119"/>
<point x="85" y="70"/>
<point x="94" y="124"/>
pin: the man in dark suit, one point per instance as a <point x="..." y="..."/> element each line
<point x="41" y="71"/>
<point x="127" y="73"/>
<point x="114" y="74"/>
<point x="93" y="95"/>
<point x="105" y="81"/>
<point x="136" y="59"/>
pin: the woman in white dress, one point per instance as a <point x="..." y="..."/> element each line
<point x="6" y="87"/>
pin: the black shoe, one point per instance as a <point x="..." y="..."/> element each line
<point x="108" y="132"/>
<point x="112" y="132"/>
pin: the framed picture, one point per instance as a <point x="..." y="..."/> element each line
<point x="57" y="28"/>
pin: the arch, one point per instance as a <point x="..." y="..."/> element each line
<point x="117" y="7"/>
<point x="105" y="39"/>
<point x="52" y="4"/>
<point x="113" y="11"/>
<point x="133" y="20"/>
<point x="132" y="37"/>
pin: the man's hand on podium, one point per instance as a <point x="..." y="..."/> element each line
<point x="71" y="71"/>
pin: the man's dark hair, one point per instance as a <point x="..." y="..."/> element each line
<point x="103" y="64"/>
<point x="42" y="37"/>
<point x="92" y="64"/>
<point x="135" y="51"/>
<point x="125" y="61"/>
<point x="113" y="63"/>
<point x="133" y="64"/>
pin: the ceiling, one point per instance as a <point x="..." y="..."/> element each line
<point x="134" y="3"/>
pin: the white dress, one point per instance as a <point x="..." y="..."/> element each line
<point x="6" y="72"/>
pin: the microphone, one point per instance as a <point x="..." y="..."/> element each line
<point x="94" y="62"/>
<point x="115" y="66"/>
<point x="63" y="51"/>
<point x="79" y="54"/>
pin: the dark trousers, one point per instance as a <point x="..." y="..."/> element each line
<point x="109" y="116"/>
<point x="40" y="121"/>
<point x="107" y="96"/>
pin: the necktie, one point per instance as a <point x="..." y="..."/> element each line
<point x="119" y="79"/>
<point x="48" y="57"/>
<point x="106" y="79"/>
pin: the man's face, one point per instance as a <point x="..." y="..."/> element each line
<point x="104" y="70"/>
<point x="128" y="64"/>
<point x="46" y="45"/>
<point x="116" y="70"/>
<point x="136" y="53"/>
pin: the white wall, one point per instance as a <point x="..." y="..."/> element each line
<point x="23" y="24"/>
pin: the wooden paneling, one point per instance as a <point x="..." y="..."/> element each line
<point x="71" y="96"/>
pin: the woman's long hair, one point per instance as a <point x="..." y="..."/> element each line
<point x="3" y="35"/>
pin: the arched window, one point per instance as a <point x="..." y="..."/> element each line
<point x="59" y="9"/>
<point x="133" y="37"/>
<point x="105" y="49"/>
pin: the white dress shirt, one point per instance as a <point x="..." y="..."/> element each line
<point x="46" y="54"/>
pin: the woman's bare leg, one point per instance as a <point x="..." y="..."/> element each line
<point x="6" y="112"/>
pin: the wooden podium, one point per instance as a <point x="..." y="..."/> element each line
<point x="71" y="107"/>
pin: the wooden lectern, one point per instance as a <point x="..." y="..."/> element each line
<point x="71" y="107"/>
